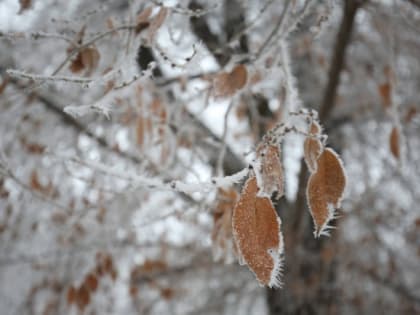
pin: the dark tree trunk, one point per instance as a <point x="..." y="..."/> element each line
<point x="309" y="275"/>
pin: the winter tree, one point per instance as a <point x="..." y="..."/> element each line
<point x="209" y="157"/>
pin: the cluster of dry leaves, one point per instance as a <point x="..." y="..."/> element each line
<point x="251" y="222"/>
<point x="81" y="295"/>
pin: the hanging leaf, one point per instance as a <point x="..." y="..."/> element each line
<point x="226" y="84"/>
<point x="384" y="91"/>
<point x="325" y="190"/>
<point x="256" y="230"/>
<point x="143" y="20"/>
<point x="143" y="130"/>
<point x="82" y="297"/>
<point x="394" y="142"/>
<point x="156" y="22"/>
<point x="91" y="282"/>
<point x="269" y="172"/>
<point x="312" y="147"/>
<point x="24" y="5"/>
<point x="410" y="114"/>
<point x="3" y="85"/>
<point x="223" y="247"/>
<point x="87" y="59"/>
<point x="71" y="295"/>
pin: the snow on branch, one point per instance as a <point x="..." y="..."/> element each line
<point x="198" y="12"/>
<point x="38" y="77"/>
<point x="154" y="183"/>
<point x="292" y="96"/>
<point x="82" y="110"/>
<point x="36" y="35"/>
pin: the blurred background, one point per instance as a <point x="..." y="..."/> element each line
<point x="104" y="104"/>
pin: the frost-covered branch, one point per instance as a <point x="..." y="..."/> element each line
<point x="292" y="93"/>
<point x="82" y="110"/>
<point x="186" y="11"/>
<point x="37" y="35"/>
<point x="275" y="30"/>
<point x="38" y="77"/>
<point x="155" y="183"/>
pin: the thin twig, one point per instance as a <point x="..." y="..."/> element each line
<point x="276" y="29"/>
<point x="219" y="167"/>
<point x="38" y="77"/>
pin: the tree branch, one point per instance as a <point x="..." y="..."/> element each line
<point x="337" y="63"/>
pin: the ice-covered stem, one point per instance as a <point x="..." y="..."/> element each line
<point x="174" y="63"/>
<point x="198" y="12"/>
<point x="54" y="78"/>
<point x="275" y="135"/>
<point x="292" y="94"/>
<point x="155" y="183"/>
<point x="36" y="35"/>
<point x="275" y="30"/>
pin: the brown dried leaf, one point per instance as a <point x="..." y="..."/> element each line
<point x="3" y="85"/>
<point x="226" y="84"/>
<point x="143" y="20"/>
<point x="222" y="238"/>
<point x="270" y="172"/>
<point x="77" y="64"/>
<point x="312" y="147"/>
<point x="133" y="291"/>
<point x="156" y="22"/>
<point x="71" y="295"/>
<point x="140" y="131"/>
<point x="411" y="113"/>
<point x="107" y="263"/>
<point x="167" y="293"/>
<point x="256" y="230"/>
<point x="87" y="59"/>
<point x="82" y="297"/>
<point x="32" y="147"/>
<point x="384" y="91"/>
<point x="147" y="268"/>
<point x="91" y="282"/>
<point x="394" y="142"/>
<point x="109" y="23"/>
<point x="36" y="184"/>
<point x="90" y="59"/>
<point x="325" y="190"/>
<point x="143" y="130"/>
<point x="239" y="76"/>
<point x="24" y="5"/>
<point x="78" y="39"/>
<point x="114" y="274"/>
<point x="315" y="128"/>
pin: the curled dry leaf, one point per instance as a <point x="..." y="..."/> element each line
<point x="312" y="147"/>
<point x="143" y="130"/>
<point x="384" y="91"/>
<point x="269" y="172"/>
<point x="3" y="85"/>
<point x="223" y="246"/>
<point x="71" y="295"/>
<point x="325" y="190"/>
<point x="143" y="20"/>
<point x="91" y="282"/>
<point x="394" y="142"/>
<point x="24" y="5"/>
<point x="82" y="297"/>
<point x="410" y="114"/>
<point x="226" y="84"/>
<point x="87" y="59"/>
<point x="256" y="230"/>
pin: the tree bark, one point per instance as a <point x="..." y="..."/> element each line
<point x="310" y="286"/>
